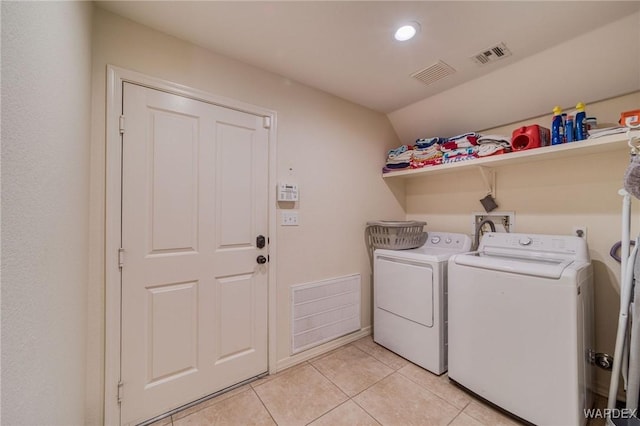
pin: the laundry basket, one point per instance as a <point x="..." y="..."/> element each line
<point x="395" y="235"/>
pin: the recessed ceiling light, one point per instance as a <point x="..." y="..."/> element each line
<point x="407" y="31"/>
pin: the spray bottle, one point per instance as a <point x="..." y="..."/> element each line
<point x="581" y="126"/>
<point x="557" y="127"/>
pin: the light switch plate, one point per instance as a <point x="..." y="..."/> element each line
<point x="289" y="218"/>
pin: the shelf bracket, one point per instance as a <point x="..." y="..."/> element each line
<point x="489" y="179"/>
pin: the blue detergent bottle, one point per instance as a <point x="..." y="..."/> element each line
<point x="568" y="129"/>
<point x="557" y="127"/>
<point x="581" y="126"/>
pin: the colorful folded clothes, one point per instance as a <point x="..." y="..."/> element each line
<point x="398" y="158"/>
<point x="426" y="143"/>
<point x="417" y="164"/>
<point x="490" y="148"/>
<point x="395" y="167"/>
<point x="460" y="152"/>
<point x="403" y="157"/>
<point x="459" y="158"/>
<point x="397" y="151"/>
<point x="425" y="153"/>
<point x="459" y="144"/>
<point x="503" y="140"/>
<point x="493" y="145"/>
<point x="466" y="139"/>
<point x="435" y="150"/>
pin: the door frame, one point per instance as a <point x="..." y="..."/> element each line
<point x="113" y="220"/>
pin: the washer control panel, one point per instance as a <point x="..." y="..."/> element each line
<point x="563" y="245"/>
<point x="448" y="240"/>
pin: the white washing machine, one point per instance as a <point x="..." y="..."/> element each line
<point x="410" y="312"/>
<point x="521" y="325"/>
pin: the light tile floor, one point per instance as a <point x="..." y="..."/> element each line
<point x="358" y="384"/>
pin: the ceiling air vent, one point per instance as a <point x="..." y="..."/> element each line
<point x="492" y="54"/>
<point x="433" y="73"/>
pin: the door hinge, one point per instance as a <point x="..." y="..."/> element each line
<point x="122" y="124"/>
<point x="120" y="257"/>
<point x="266" y="122"/>
<point x="120" y="396"/>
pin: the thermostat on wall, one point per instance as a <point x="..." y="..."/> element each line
<point x="287" y="192"/>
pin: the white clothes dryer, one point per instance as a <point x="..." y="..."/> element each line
<point x="410" y="294"/>
<point x="521" y="325"/>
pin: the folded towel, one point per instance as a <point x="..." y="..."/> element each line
<point x="460" y="152"/>
<point x="403" y="157"/>
<point x="470" y="138"/>
<point x="397" y="151"/>
<point x="597" y="133"/>
<point x="427" y="142"/>
<point x="393" y="167"/>
<point x="503" y="140"/>
<point x="426" y="153"/>
<point x="459" y="158"/>
<point x="448" y="146"/>
<point x="415" y="164"/>
<point x="490" y="148"/>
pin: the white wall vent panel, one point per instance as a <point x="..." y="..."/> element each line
<point x="324" y="310"/>
<point x="491" y="54"/>
<point x="433" y="73"/>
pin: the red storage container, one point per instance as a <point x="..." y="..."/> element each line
<point x="528" y="137"/>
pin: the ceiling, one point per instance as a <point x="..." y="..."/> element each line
<point x="347" y="48"/>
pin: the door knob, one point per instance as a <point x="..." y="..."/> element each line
<point x="261" y="259"/>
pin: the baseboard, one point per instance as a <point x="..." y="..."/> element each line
<point x="290" y="361"/>
<point x="603" y="391"/>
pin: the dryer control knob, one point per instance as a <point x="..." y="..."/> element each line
<point x="448" y="241"/>
<point x="435" y="240"/>
<point x="525" y="241"/>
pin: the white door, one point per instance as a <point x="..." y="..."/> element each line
<point x="194" y="297"/>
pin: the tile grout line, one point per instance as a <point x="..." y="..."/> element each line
<point x="454" y="419"/>
<point x="365" y="410"/>
<point x="373" y="384"/>
<point x="264" y="405"/>
<point x="351" y="398"/>
<point x="462" y="411"/>
<point x="375" y="357"/>
<point x="330" y="381"/>
<point x="337" y="387"/>
<point x="433" y="393"/>
<point x="333" y="409"/>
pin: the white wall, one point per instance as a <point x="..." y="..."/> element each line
<point x="46" y="68"/>
<point x="597" y="65"/>
<point x="332" y="148"/>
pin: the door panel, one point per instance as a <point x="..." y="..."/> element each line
<point x="172" y="331"/>
<point x="174" y="182"/>
<point x="235" y="201"/>
<point x="194" y="300"/>
<point x="235" y="321"/>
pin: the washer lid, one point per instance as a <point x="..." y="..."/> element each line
<point x="542" y="266"/>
